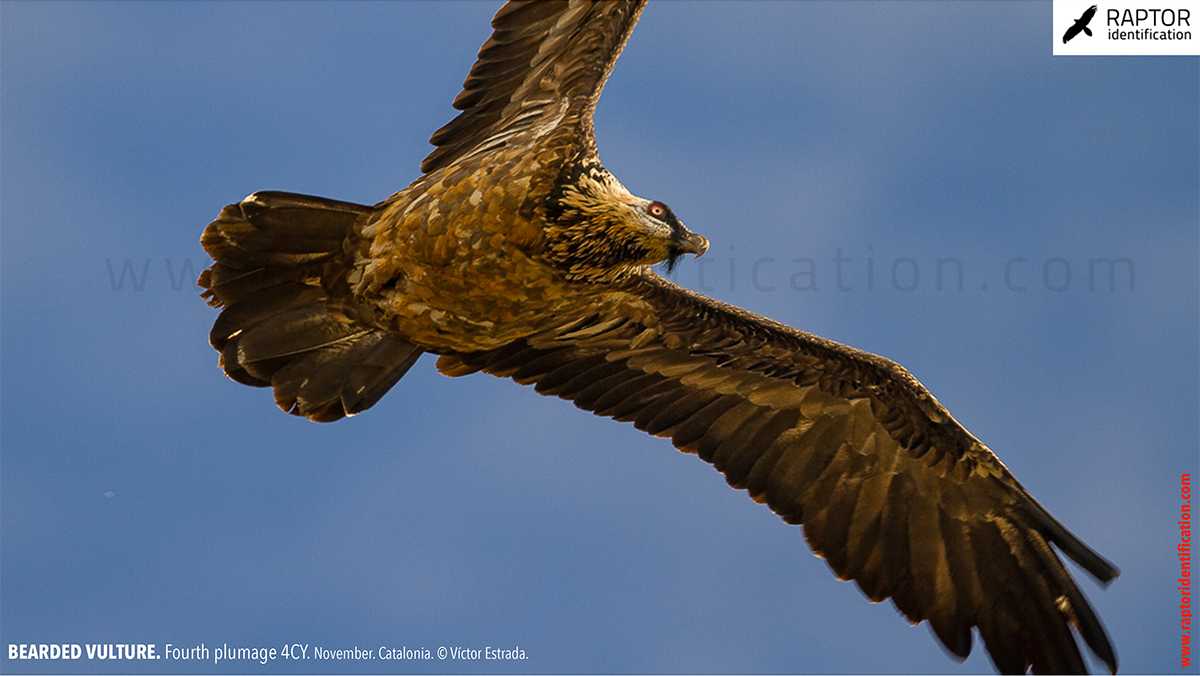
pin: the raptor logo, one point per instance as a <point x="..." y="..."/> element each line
<point x="1081" y="24"/>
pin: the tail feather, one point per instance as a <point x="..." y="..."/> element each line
<point x="344" y="380"/>
<point x="240" y="314"/>
<point x="277" y="256"/>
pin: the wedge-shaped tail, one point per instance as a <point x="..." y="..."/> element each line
<point x="277" y="256"/>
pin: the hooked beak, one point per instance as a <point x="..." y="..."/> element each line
<point x="685" y="241"/>
<point x="692" y="243"/>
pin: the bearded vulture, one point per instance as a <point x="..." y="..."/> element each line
<point x="517" y="254"/>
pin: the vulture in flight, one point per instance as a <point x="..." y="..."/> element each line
<point x="517" y="254"/>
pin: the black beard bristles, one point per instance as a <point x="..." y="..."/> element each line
<point x="673" y="256"/>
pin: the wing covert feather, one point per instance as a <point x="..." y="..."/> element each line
<point x="891" y="490"/>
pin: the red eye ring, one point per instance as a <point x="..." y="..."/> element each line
<point x="657" y="209"/>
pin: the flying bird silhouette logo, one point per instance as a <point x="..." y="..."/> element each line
<point x="1081" y="24"/>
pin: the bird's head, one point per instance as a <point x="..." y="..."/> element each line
<point x="599" y="231"/>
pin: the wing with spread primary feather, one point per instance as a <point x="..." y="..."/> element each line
<point x="892" y="491"/>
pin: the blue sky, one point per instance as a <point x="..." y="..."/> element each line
<point x="145" y="498"/>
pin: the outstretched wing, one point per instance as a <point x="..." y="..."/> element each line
<point x="541" y="72"/>
<point x="891" y="490"/>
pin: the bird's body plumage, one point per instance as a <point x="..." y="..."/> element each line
<point x="517" y="254"/>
